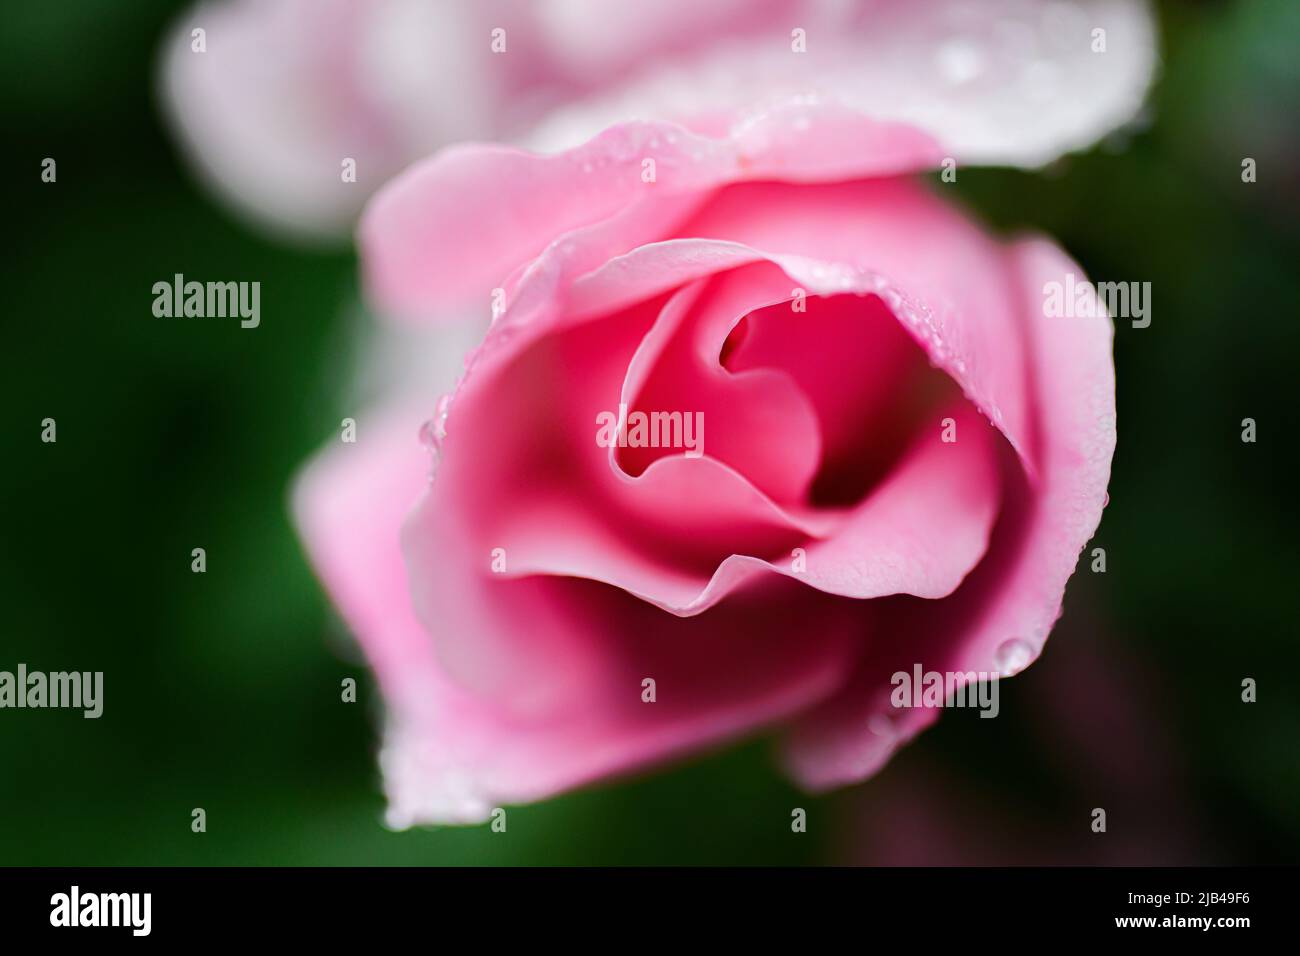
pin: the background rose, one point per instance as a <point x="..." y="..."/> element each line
<point x="286" y="89"/>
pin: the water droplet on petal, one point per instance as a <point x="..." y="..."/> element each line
<point x="434" y="430"/>
<point x="429" y="436"/>
<point x="1013" y="656"/>
<point x="881" y="725"/>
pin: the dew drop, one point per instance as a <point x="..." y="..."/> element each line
<point x="429" y="436"/>
<point x="881" y="725"/>
<point x="1013" y="656"/>
<point x="434" y="430"/>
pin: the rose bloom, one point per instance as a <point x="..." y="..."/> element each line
<point x="902" y="457"/>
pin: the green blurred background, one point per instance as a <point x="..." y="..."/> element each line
<point x="222" y="689"/>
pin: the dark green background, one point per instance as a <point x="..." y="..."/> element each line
<point x="222" y="690"/>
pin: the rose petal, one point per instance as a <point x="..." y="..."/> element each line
<point x="1001" y="82"/>
<point x="287" y="89"/>
<point x="669" y="534"/>
<point x="937" y="270"/>
<point x="349" y="504"/>
<point x="677" y="368"/>
<point x="461" y="222"/>
<point x="939" y="273"/>
<point x="1000" y="618"/>
<point x="450" y="755"/>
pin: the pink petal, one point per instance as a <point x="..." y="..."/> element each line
<point x="669" y="534"/>
<point x="999" y="82"/>
<point x="677" y="367"/>
<point x="349" y="504"/>
<point x="596" y="42"/>
<point x="287" y="89"/>
<point x="451" y="755"/>
<point x="460" y="223"/>
<point x="999" y="619"/>
<point x="937" y="270"/>
<point x="867" y="380"/>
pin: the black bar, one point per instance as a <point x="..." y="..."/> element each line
<point x="455" y="907"/>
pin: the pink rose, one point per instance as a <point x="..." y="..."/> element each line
<point x="896" y="455"/>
